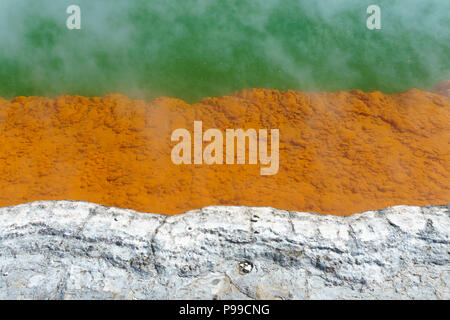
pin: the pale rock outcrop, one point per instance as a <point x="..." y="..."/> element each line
<point x="78" y="250"/>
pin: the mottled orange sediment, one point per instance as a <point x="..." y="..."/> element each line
<point x="340" y="153"/>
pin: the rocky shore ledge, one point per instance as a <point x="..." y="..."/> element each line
<point x="79" y="250"/>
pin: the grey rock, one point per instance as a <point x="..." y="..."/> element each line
<point x="79" y="250"/>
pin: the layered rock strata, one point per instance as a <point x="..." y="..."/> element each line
<point x="79" y="250"/>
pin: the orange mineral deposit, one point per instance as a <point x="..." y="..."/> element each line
<point x="339" y="153"/>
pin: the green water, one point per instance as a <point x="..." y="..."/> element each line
<point x="192" y="49"/>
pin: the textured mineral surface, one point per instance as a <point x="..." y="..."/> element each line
<point x="79" y="250"/>
<point x="339" y="153"/>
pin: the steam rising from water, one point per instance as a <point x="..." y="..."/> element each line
<point x="196" y="48"/>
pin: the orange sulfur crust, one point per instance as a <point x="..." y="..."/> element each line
<point x="340" y="153"/>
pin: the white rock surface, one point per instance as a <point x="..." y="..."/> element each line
<point x="78" y="250"/>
